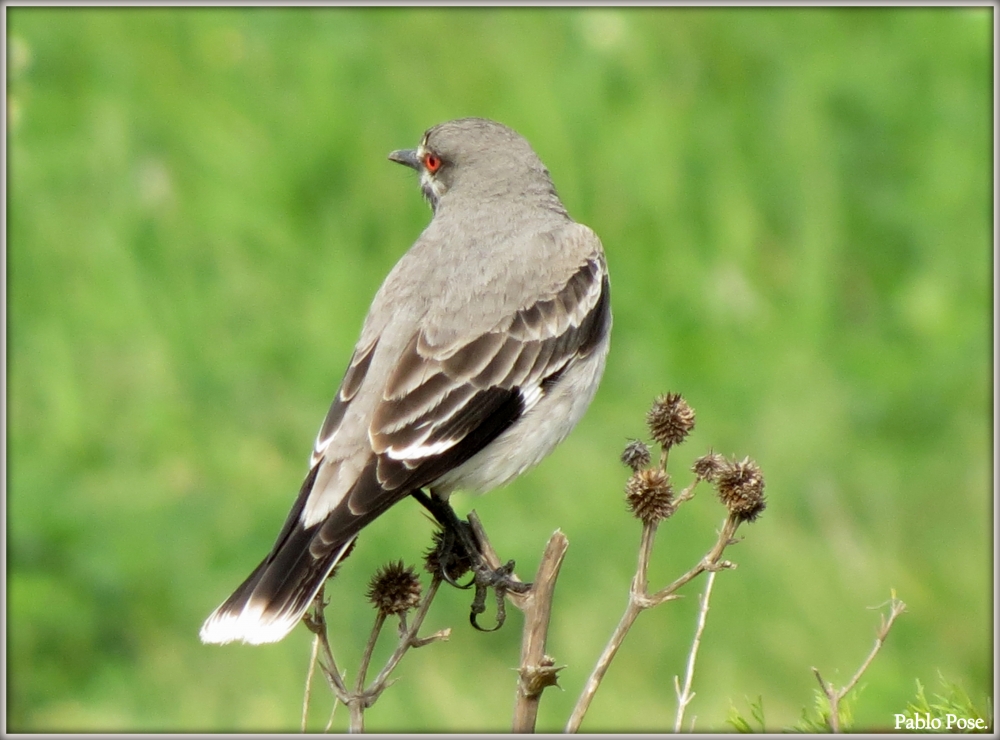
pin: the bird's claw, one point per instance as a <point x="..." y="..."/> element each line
<point x="501" y="582"/>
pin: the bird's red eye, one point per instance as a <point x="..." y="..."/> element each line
<point x="432" y="162"/>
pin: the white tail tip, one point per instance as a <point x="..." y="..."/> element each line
<point x="250" y="625"/>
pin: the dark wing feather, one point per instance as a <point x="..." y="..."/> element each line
<point x="457" y="399"/>
<point x="357" y="368"/>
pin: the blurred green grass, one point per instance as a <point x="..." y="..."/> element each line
<point x="797" y="210"/>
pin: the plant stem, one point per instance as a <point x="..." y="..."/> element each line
<point x="409" y="639"/>
<point x="896" y="607"/>
<point x="309" y="677"/>
<point x="684" y="697"/>
<point x="636" y="603"/>
<point x="640" y="599"/>
<point x="359" y="698"/>
<point x="594" y="682"/>
<point x="537" y="670"/>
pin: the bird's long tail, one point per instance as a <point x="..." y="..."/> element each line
<point x="269" y="603"/>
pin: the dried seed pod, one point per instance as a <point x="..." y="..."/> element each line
<point x="670" y="420"/>
<point x="394" y="589"/>
<point x="636" y="455"/>
<point x="741" y="489"/>
<point x="707" y="467"/>
<point x="650" y="495"/>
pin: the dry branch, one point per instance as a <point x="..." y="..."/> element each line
<point x="537" y="670"/>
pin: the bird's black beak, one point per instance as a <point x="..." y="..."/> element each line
<point x="407" y="157"/>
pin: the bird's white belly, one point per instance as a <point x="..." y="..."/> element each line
<point x="531" y="437"/>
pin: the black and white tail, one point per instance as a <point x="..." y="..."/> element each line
<point x="269" y="603"/>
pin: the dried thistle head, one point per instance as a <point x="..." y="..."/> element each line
<point x="741" y="489"/>
<point x="707" y="467"/>
<point x="394" y="589"/>
<point x="454" y="564"/>
<point x="670" y="420"/>
<point x="650" y="495"/>
<point x="636" y="455"/>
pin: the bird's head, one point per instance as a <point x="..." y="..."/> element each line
<point x="475" y="157"/>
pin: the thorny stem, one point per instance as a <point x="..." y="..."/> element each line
<point x="684" y="697"/>
<point x="711" y="561"/>
<point x="583" y="704"/>
<point x="366" y="658"/>
<point x="357" y="709"/>
<point x="358" y="700"/>
<point x="640" y="599"/>
<point x="640" y="583"/>
<point x="361" y="698"/>
<point x="664" y="454"/>
<point x="409" y="639"/>
<point x="315" y="620"/>
<point x="896" y="607"/>
<point x="537" y="670"/>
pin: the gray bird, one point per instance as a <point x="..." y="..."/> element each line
<point x="481" y="351"/>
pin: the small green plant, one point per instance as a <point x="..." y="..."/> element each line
<point x="818" y="718"/>
<point x="741" y="724"/>
<point x="950" y="711"/>
<point x="837" y="712"/>
<point x="833" y="709"/>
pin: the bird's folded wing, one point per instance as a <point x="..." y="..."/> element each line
<point x="441" y="404"/>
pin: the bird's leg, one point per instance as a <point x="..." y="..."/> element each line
<point x="459" y="532"/>
<point x="452" y="553"/>
<point x="452" y="557"/>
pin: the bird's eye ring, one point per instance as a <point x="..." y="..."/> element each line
<point x="432" y="162"/>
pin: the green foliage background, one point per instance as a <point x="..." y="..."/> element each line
<point x="797" y="210"/>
